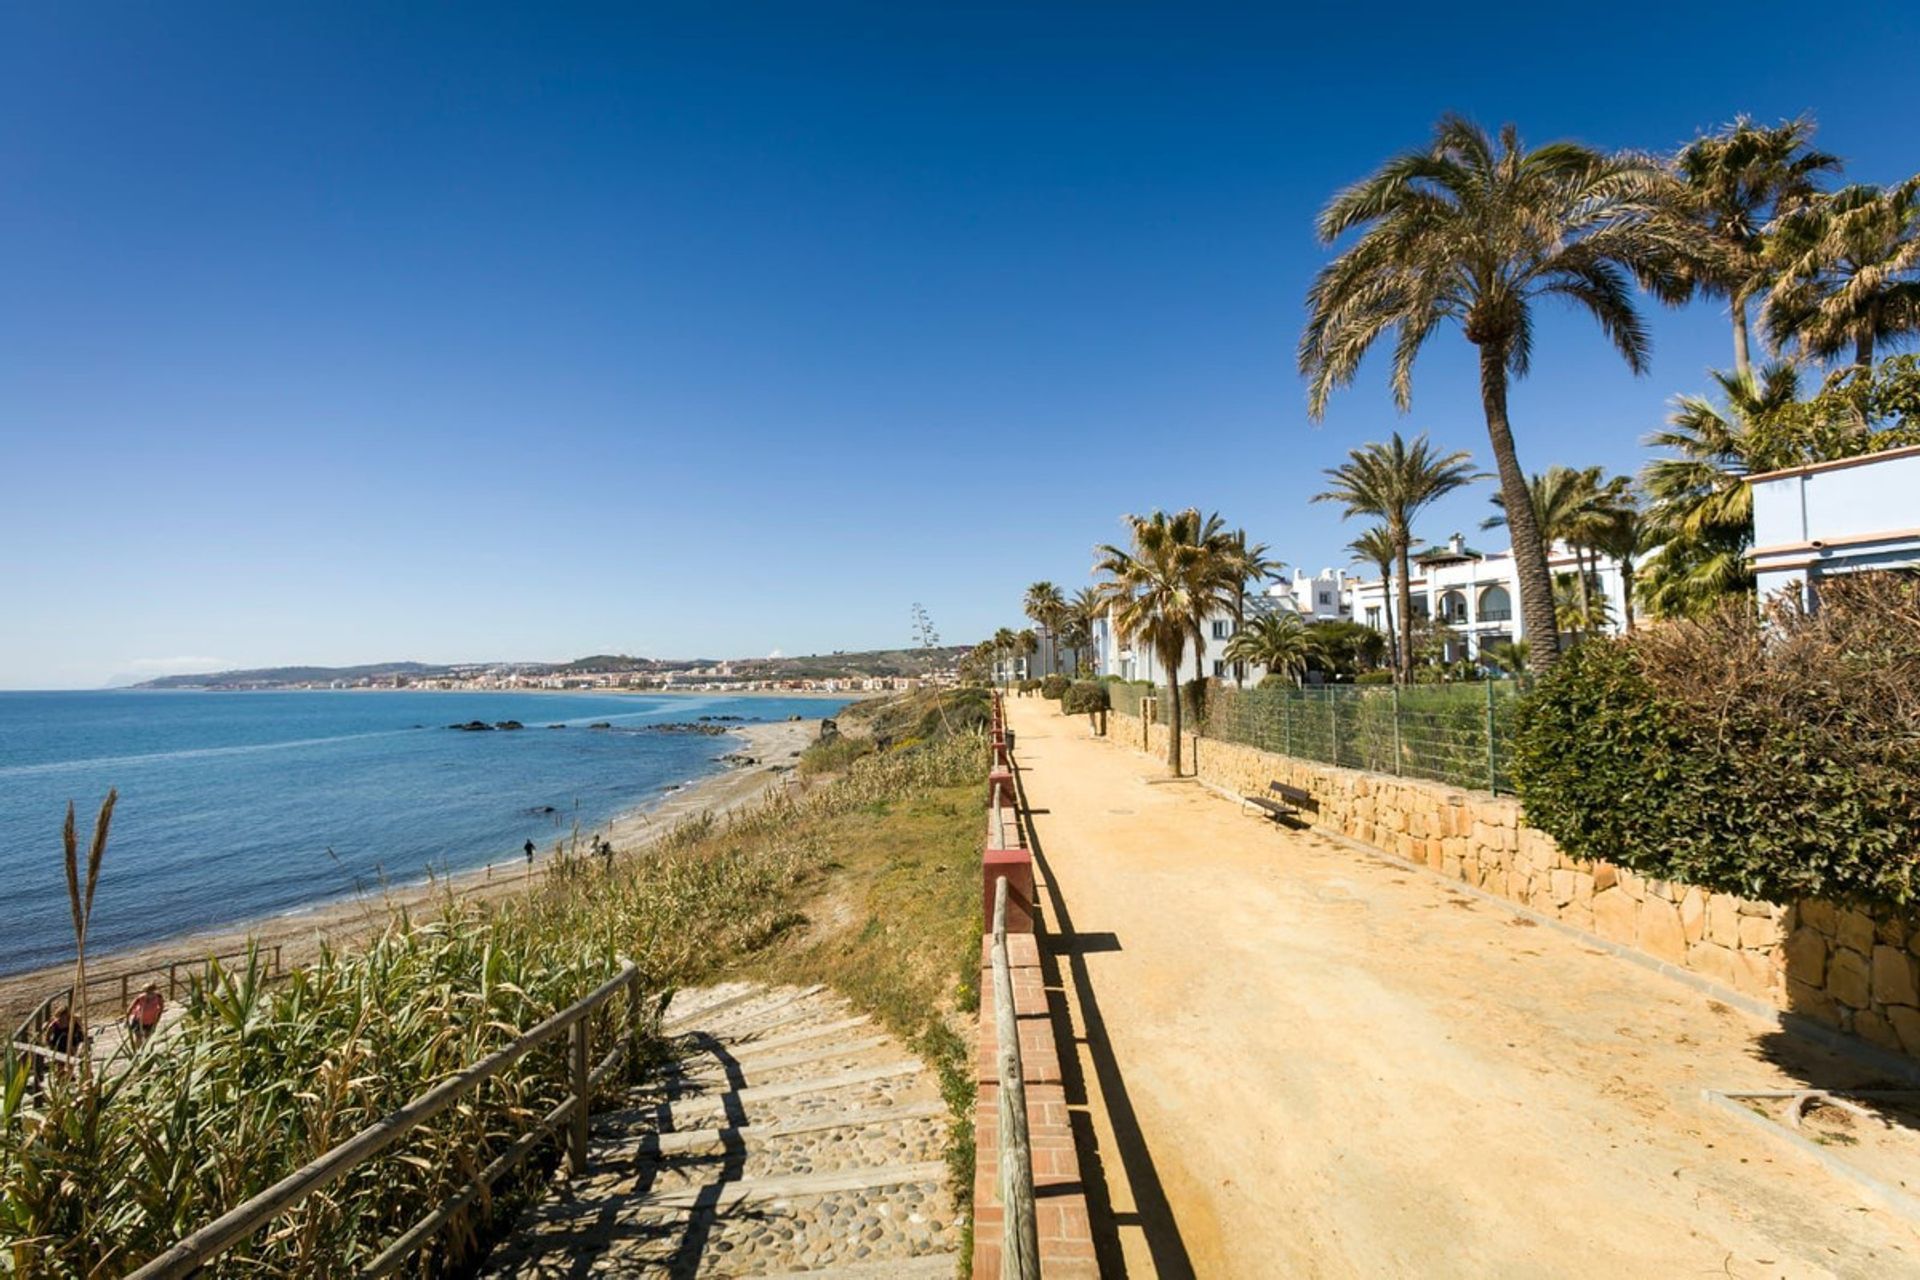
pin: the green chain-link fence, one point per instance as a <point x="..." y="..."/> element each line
<point x="1452" y="733"/>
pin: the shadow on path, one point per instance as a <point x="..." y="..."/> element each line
<point x="1152" y="1216"/>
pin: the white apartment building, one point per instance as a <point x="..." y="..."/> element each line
<point x="1834" y="518"/>
<point x="1474" y="593"/>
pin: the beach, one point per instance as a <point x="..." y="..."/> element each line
<point x="774" y="749"/>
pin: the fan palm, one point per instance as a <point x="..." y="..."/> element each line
<point x="1473" y="230"/>
<point x="1005" y="644"/>
<point x="1278" y="641"/>
<point x="1727" y="189"/>
<point x="1376" y="547"/>
<point x="1162" y="590"/>
<point x="1849" y="273"/>
<point x="1395" y="482"/>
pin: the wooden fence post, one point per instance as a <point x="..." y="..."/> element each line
<point x="577" y="1145"/>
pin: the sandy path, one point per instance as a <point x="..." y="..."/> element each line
<point x="300" y="935"/>
<point x="1303" y="1060"/>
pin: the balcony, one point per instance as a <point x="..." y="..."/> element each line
<point x="1496" y="615"/>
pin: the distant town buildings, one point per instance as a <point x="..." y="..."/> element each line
<point x="1834" y="518"/>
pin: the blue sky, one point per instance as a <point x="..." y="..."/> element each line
<point x="467" y="331"/>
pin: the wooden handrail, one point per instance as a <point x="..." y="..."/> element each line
<point x="202" y="1246"/>
<point x="1019" y="1235"/>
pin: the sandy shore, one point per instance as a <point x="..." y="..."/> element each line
<point x="773" y="748"/>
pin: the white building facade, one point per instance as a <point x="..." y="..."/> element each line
<point x="1475" y="595"/>
<point x="1835" y="518"/>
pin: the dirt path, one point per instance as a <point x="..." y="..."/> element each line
<point x="1303" y="1060"/>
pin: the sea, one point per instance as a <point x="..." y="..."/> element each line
<point x="235" y="806"/>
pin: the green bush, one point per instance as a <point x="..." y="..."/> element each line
<point x="1085" y="698"/>
<point x="1027" y="686"/>
<point x="1374" y="677"/>
<point x="1054" y="686"/>
<point x="1778" y="760"/>
<point x="1274" y="680"/>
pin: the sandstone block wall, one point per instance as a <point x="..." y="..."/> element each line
<point x="1851" y="970"/>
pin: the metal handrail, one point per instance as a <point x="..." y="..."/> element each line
<point x="1019" y="1236"/>
<point x="210" y="1241"/>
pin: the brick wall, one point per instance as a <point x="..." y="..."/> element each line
<point x="1847" y="969"/>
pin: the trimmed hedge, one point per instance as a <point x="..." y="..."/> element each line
<point x="1086" y="697"/>
<point x="1765" y="761"/>
<point x="1054" y="686"/>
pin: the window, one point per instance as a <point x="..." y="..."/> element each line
<point x="1220" y="630"/>
<point x="1453" y="607"/>
<point x="1219" y="669"/>
<point x="1373" y="617"/>
<point x="1326" y="597"/>
<point x="1496" y="605"/>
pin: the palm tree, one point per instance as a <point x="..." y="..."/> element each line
<point x="1849" y="273"/>
<point x="1045" y="605"/>
<point x="1396" y="481"/>
<point x="1575" y="508"/>
<point x="1376" y="548"/>
<point x="1163" y="589"/>
<point x="1728" y="187"/>
<point x="1005" y="643"/>
<point x="1278" y="641"/>
<point x="1026" y="644"/>
<point x="1473" y="231"/>
<point x="1700" y="508"/>
<point x="1249" y="563"/>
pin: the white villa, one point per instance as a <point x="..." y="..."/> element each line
<point x="1475" y="593"/>
<point x="1834" y="518"/>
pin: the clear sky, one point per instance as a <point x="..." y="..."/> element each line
<point x="461" y="331"/>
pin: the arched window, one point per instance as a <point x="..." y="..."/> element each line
<point x="1496" y="605"/>
<point x="1453" y="607"/>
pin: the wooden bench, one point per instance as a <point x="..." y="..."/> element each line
<point x="1281" y="801"/>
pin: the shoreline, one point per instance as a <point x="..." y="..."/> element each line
<point x="300" y="932"/>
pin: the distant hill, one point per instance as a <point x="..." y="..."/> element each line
<point x="828" y="666"/>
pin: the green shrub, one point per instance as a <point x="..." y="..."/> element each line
<point x="1027" y="686"/>
<point x="1374" y="677"/>
<point x="1778" y="760"/>
<point x="1085" y="698"/>
<point x="1274" y="680"/>
<point x="1054" y="686"/>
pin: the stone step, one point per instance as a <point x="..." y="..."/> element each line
<point x="818" y="1060"/>
<point x="926" y="1266"/>
<point x="758" y="1046"/>
<point x="741" y="1156"/>
<point x="719" y="1197"/>
<point x="759" y="1095"/>
<point x="735" y="1015"/>
<point x="799" y="1017"/>
<point x="695" y="1139"/>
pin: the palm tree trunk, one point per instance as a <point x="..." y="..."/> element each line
<point x="1172" y="659"/>
<point x="1742" y="359"/>
<point x="1529" y="554"/>
<point x="1586" y="589"/>
<point x="1626" y="593"/>
<point x="1405" y="588"/>
<point x="1239" y="621"/>
<point x="1863" y="352"/>
<point x="1386" y="598"/>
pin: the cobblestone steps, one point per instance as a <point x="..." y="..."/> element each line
<point x="793" y="1138"/>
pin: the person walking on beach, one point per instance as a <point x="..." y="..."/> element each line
<point x="529" y="855"/>
<point x="143" y="1015"/>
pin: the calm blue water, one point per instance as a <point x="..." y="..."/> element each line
<point x="237" y="805"/>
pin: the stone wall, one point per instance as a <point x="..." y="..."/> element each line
<point x="1844" y="968"/>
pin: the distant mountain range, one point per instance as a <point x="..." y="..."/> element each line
<point x="866" y="663"/>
